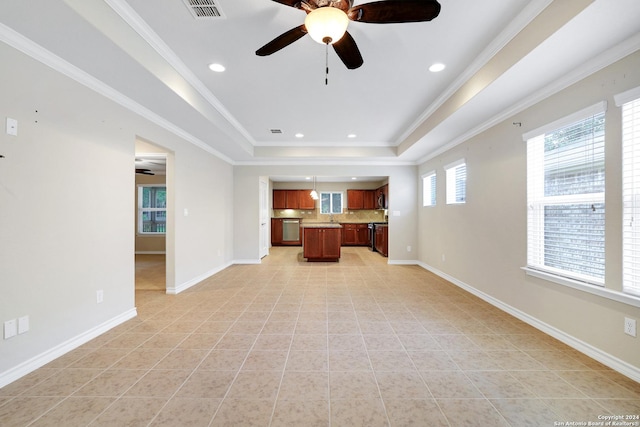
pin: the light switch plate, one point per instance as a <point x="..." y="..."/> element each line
<point x="12" y="126"/>
<point x="23" y="324"/>
<point x="10" y="329"/>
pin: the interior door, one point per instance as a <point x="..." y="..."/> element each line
<point x="264" y="219"/>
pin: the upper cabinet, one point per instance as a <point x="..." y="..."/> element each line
<point x="382" y="197"/>
<point x="305" y="200"/>
<point x="368" y="199"/>
<point x="361" y="199"/>
<point x="293" y="199"/>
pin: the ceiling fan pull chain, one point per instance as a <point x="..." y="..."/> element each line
<point x="326" y="64"/>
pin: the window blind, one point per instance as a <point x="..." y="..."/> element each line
<point x="631" y="196"/>
<point x="429" y="189"/>
<point x="565" y="197"/>
<point x="456" y="182"/>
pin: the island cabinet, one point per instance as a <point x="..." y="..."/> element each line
<point x="321" y="244"/>
<point x="354" y="234"/>
<point x="361" y="199"/>
<point x="382" y="239"/>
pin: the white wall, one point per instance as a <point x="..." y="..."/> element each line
<point x="403" y="190"/>
<point x="484" y="240"/>
<point x="66" y="212"/>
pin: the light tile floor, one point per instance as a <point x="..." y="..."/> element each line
<point x="288" y="343"/>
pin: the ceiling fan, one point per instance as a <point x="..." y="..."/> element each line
<point x="141" y="171"/>
<point x="327" y="20"/>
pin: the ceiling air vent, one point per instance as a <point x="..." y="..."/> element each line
<point x="276" y="131"/>
<point x="204" y="9"/>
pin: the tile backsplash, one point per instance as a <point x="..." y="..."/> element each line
<point x="314" y="215"/>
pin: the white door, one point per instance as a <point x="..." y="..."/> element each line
<point x="264" y="219"/>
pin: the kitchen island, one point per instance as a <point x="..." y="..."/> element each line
<point x="321" y="241"/>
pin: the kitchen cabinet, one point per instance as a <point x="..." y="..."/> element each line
<point x="355" y="234"/>
<point x="361" y="199"/>
<point x="369" y="199"/>
<point x="285" y="232"/>
<point x="382" y="197"/>
<point x="305" y="200"/>
<point x="321" y="243"/>
<point x="276" y="231"/>
<point x="293" y="199"/>
<point x="382" y="239"/>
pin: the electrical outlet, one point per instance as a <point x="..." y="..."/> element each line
<point x="408" y="248"/>
<point x="630" y="326"/>
<point x="99" y="296"/>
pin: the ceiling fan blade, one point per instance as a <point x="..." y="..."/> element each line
<point x="395" y="11"/>
<point x="292" y="3"/>
<point x="283" y="40"/>
<point x="144" y="172"/>
<point x="348" y="51"/>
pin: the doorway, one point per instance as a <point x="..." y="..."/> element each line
<point x="152" y="209"/>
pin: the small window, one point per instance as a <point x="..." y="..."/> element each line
<point x="456" y="182"/>
<point x="429" y="189"/>
<point x="331" y="203"/>
<point x="152" y="209"/>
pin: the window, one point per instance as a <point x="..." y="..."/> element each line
<point x="565" y="197"/>
<point x="331" y="203"/>
<point x="429" y="189"/>
<point x="456" y="182"/>
<point x="152" y="209"/>
<point x="631" y="191"/>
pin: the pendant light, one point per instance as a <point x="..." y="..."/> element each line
<point x="314" y="193"/>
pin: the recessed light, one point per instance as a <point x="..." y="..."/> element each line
<point x="437" y="67"/>
<point x="354" y="178"/>
<point x="351" y="135"/>
<point x="218" y="68"/>
<point x="299" y="135"/>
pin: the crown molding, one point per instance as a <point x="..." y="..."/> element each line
<point x="129" y="15"/>
<point x="590" y="67"/>
<point x="37" y="52"/>
<point x="524" y="18"/>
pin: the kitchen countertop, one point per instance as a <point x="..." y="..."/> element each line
<point x="320" y="225"/>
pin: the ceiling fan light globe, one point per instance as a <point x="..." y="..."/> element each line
<point x="326" y="25"/>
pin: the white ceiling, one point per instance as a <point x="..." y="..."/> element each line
<point x="153" y="56"/>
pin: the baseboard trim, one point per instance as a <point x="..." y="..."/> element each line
<point x="403" y="262"/>
<point x="42" y="359"/>
<point x="601" y="356"/>
<point x="189" y="283"/>
<point x="247" y="261"/>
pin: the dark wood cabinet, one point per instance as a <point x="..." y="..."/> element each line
<point x="381" y="239"/>
<point x="279" y="199"/>
<point x="355" y="234"/>
<point x="322" y="244"/>
<point x="361" y="199"/>
<point x="355" y="199"/>
<point x="293" y="199"/>
<point x="382" y="197"/>
<point x="369" y="199"/>
<point x="276" y="231"/>
<point x="305" y="200"/>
